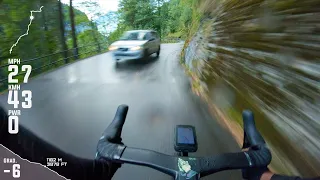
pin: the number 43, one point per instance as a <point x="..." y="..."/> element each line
<point x="13" y="98"/>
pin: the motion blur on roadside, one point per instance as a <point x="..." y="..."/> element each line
<point x="263" y="55"/>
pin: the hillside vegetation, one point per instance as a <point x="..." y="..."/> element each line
<point x="262" y="55"/>
<point x="172" y="19"/>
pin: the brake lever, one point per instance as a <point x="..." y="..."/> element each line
<point x="245" y="143"/>
<point x="252" y="136"/>
<point x="110" y="145"/>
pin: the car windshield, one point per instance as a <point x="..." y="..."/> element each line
<point x="133" y="36"/>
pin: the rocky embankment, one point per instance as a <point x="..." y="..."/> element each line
<point x="264" y="55"/>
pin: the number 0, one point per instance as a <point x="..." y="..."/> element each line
<point x="13" y="129"/>
<point x="16" y="170"/>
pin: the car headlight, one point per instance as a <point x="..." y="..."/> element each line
<point x="135" y="48"/>
<point x="111" y="48"/>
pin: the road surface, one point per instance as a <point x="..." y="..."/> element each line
<point x="74" y="104"/>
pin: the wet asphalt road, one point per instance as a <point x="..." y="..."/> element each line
<point x="74" y="104"/>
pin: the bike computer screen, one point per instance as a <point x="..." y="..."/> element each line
<point x="185" y="139"/>
<point x="185" y="135"/>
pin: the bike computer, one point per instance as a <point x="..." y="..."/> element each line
<point x="186" y="140"/>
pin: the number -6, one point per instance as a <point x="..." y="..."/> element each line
<point x="16" y="170"/>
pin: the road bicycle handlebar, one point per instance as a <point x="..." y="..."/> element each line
<point x="110" y="148"/>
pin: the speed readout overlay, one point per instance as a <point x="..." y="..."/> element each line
<point x="17" y="99"/>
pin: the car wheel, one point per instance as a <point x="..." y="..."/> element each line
<point x="116" y="64"/>
<point x="158" y="52"/>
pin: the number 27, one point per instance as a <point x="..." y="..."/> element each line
<point x="14" y="71"/>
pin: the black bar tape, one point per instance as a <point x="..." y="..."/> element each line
<point x="226" y="161"/>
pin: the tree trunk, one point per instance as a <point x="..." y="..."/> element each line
<point x="73" y="32"/>
<point x="63" y="39"/>
<point x="44" y="21"/>
<point x="159" y="14"/>
<point x="94" y="36"/>
<point x="44" y="41"/>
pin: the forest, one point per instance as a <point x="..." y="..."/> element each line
<point x="172" y="19"/>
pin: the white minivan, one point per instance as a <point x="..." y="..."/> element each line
<point x="136" y="44"/>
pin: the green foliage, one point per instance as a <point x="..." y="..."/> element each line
<point x="172" y="19"/>
<point x="114" y="36"/>
<point x="79" y="15"/>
